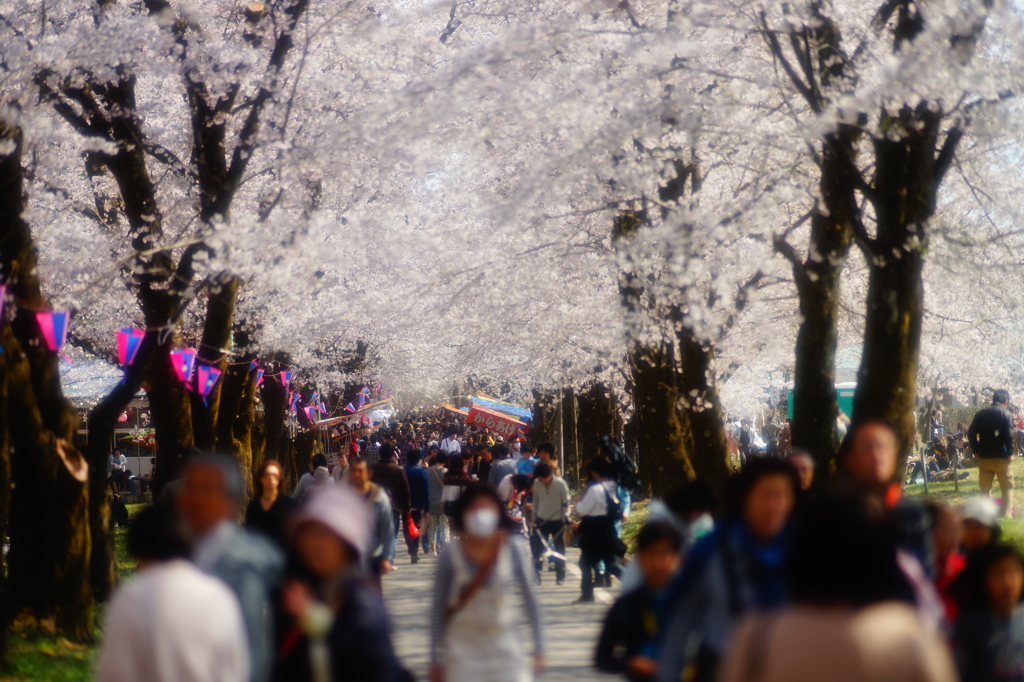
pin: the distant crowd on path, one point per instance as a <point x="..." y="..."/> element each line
<point x="785" y="575"/>
<point x="842" y="579"/>
<point x="295" y="592"/>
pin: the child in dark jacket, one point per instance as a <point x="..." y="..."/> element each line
<point x="631" y="637"/>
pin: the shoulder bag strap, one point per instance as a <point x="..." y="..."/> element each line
<point x="472" y="588"/>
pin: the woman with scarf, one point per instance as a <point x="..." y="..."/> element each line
<point x="737" y="569"/>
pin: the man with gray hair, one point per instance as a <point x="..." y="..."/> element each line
<point x="209" y="500"/>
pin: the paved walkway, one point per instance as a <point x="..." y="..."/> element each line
<point x="572" y="629"/>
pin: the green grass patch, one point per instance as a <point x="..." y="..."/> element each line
<point x="946" y="491"/>
<point x="37" y="654"/>
<point x="636" y="521"/>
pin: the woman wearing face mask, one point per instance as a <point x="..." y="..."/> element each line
<point x="474" y="636"/>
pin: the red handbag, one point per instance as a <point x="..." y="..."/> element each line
<point x="410" y="527"/>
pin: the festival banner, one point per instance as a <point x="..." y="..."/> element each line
<point x="501" y="424"/>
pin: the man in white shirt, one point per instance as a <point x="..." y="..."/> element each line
<point x="598" y="509"/>
<point x="171" y="622"/>
<point x="550" y="509"/>
<point x="451" y="444"/>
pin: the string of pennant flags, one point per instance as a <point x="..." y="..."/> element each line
<point x="200" y="377"/>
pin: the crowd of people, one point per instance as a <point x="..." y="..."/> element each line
<point x="787" y="574"/>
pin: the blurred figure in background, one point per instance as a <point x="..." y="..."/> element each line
<point x="803" y="462"/>
<point x="419" y="503"/>
<point x="737" y="569"/>
<point x="980" y="523"/>
<point x="989" y="636"/>
<point x="438" y="533"/>
<point x="171" y="622"/>
<point x="474" y="634"/>
<point x="209" y="501"/>
<point x="846" y="624"/>
<point x="339" y="630"/>
<point x="631" y="639"/>
<point x="599" y="510"/>
<point x="388" y="474"/>
<point x="381" y="547"/>
<point x="949" y="562"/>
<point x="314" y="480"/>
<point x="268" y="511"/>
<point x="456" y="480"/>
<point x="550" y="514"/>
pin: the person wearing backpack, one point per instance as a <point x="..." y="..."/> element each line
<point x="598" y="511"/>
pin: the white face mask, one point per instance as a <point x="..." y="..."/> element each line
<point x="482" y="522"/>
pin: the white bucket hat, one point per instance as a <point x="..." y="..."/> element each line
<point x="342" y="511"/>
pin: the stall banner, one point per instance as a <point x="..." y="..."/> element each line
<point x="501" y="424"/>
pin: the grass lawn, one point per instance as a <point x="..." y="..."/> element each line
<point x="1013" y="529"/>
<point x="36" y="654"/>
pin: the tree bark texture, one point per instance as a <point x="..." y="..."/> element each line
<point x="703" y="408"/>
<point x="598" y="418"/>
<point x="569" y="445"/>
<point x="906" y="182"/>
<point x="815" y="406"/>
<point x="662" y="438"/>
<point x="48" y="562"/>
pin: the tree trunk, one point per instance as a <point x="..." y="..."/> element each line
<point x="48" y="562"/>
<point x="220" y="311"/>
<point x="569" y="445"/>
<point x="275" y="399"/>
<point x="171" y="408"/>
<point x="102" y="423"/>
<point x="5" y="500"/>
<point x="243" y="434"/>
<point x="545" y="417"/>
<point x="700" y="402"/>
<point x="906" y="185"/>
<point x="598" y="417"/>
<point x="815" y="406"/>
<point x="662" y="438"/>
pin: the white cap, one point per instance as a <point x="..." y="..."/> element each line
<point x="342" y="511"/>
<point x="980" y="509"/>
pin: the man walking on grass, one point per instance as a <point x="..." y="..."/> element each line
<point x="991" y="438"/>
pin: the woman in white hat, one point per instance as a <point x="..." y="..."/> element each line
<point x="340" y="628"/>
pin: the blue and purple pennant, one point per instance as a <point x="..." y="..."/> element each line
<point x="183" y="361"/>
<point x="286" y="378"/>
<point x="259" y="377"/>
<point x="54" y="326"/>
<point x="206" y="379"/>
<point x="128" y="343"/>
